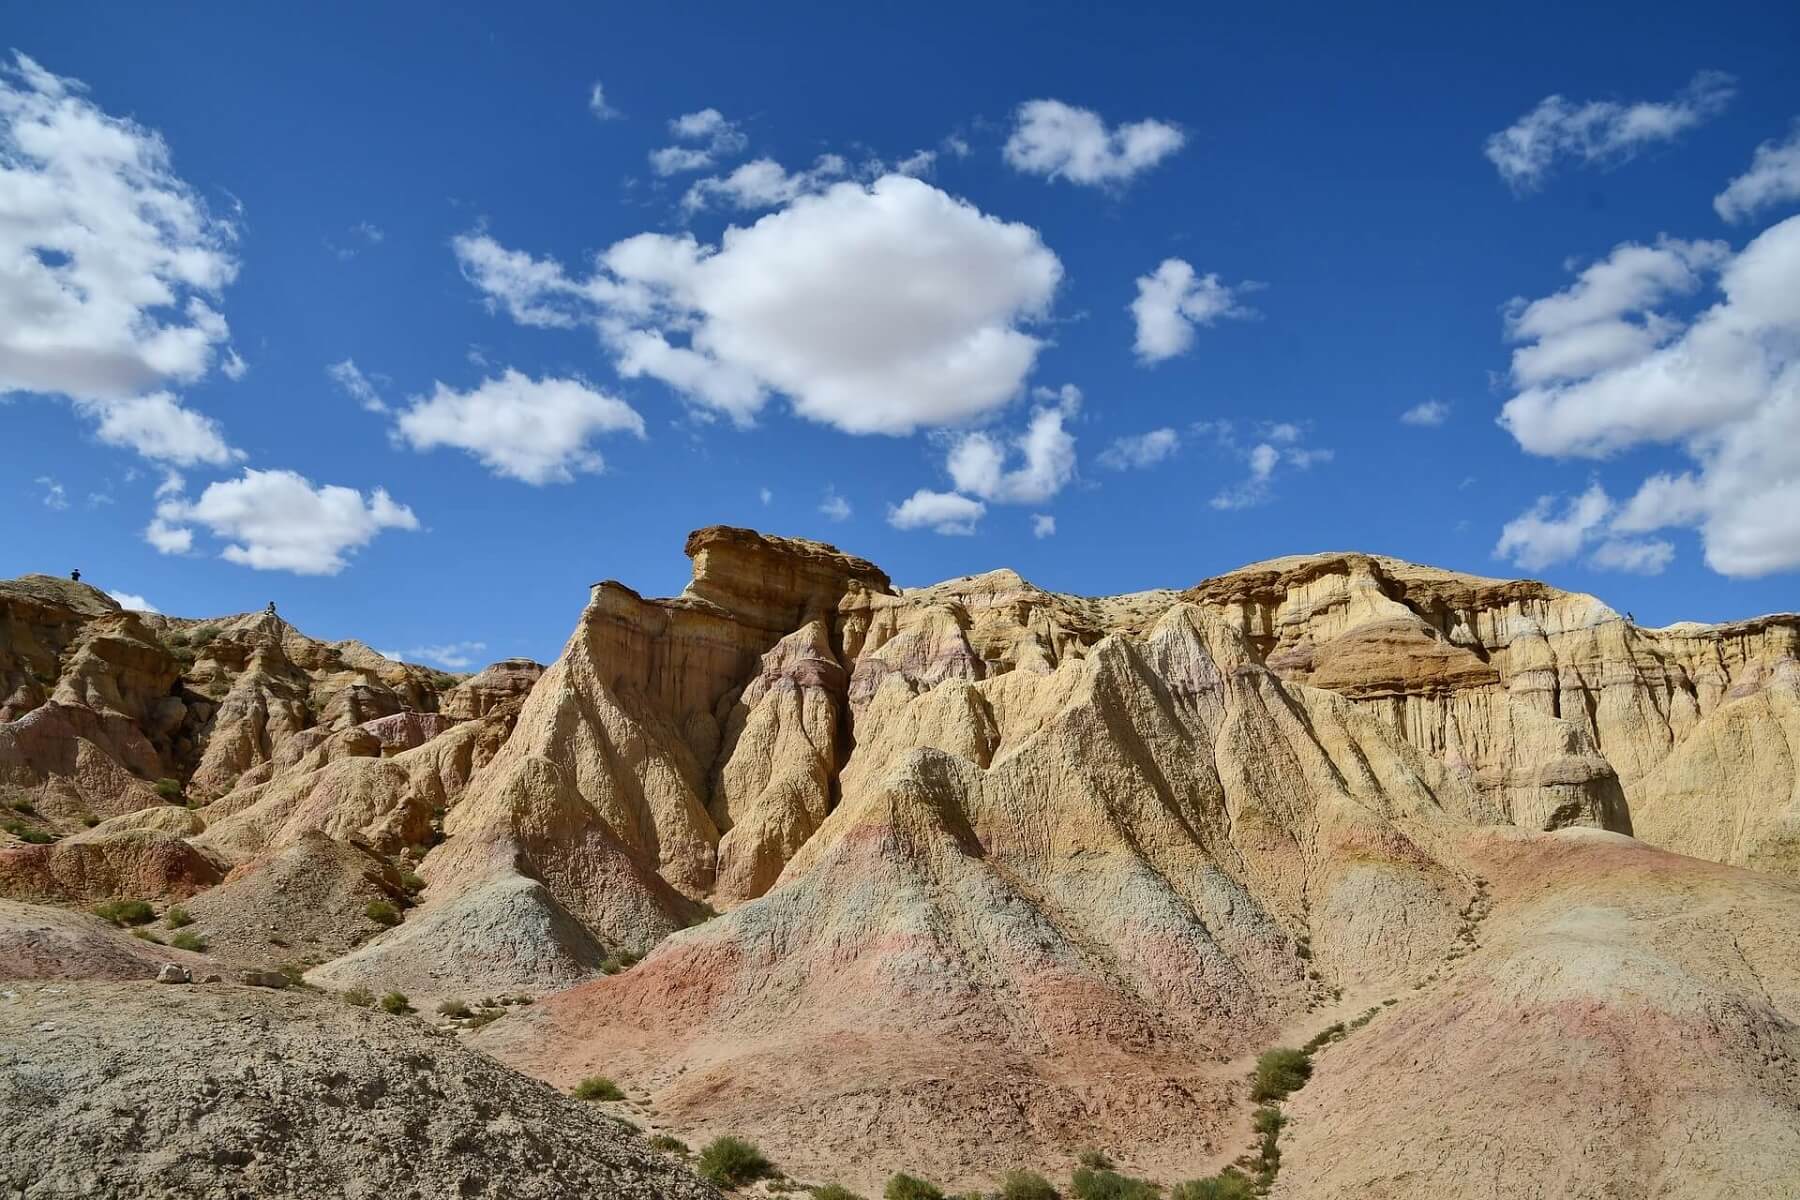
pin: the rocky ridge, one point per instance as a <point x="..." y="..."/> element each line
<point x="1003" y="872"/>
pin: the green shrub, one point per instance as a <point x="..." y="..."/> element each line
<point x="1229" y="1184"/>
<point x="359" y="996"/>
<point x="598" y="1087"/>
<point x="396" y="1003"/>
<point x="382" y="913"/>
<point x="731" y="1162"/>
<point x="486" y="1016"/>
<point x="671" y="1145"/>
<point x="187" y="939"/>
<point x="453" y="1008"/>
<point x="37" y="837"/>
<point x="146" y="935"/>
<point x="90" y="820"/>
<point x="832" y="1191"/>
<point x="168" y="789"/>
<point x="1095" y="1160"/>
<point x="1025" y="1185"/>
<point x="177" y="917"/>
<point x="1268" y="1119"/>
<point x="126" y="912"/>
<point x="411" y="882"/>
<point x="1280" y="1071"/>
<point x="902" y="1186"/>
<point x="204" y="635"/>
<point x="25" y="808"/>
<point x="1091" y="1183"/>
<point x="1324" y="1037"/>
<point x="623" y="960"/>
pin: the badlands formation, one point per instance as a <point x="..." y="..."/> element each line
<point x="946" y="880"/>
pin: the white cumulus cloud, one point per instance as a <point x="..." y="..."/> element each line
<point x="1427" y="413"/>
<point x="983" y="464"/>
<point x="133" y="602"/>
<point x="534" y="430"/>
<point x="878" y="308"/>
<point x="1060" y="141"/>
<point x="1600" y="131"/>
<point x="1043" y="525"/>
<point x="1773" y="178"/>
<point x="834" y="506"/>
<point x="279" y="521"/>
<point x="713" y="136"/>
<point x="110" y="268"/>
<point x="940" y="512"/>
<point x="764" y="183"/>
<point x="1543" y="536"/>
<point x="1174" y="299"/>
<point x="1723" y="388"/>
<point x="1140" y="450"/>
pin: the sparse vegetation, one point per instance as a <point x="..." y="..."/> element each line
<point x="731" y="1162"/>
<point x="146" y="935"/>
<point x="90" y="820"/>
<point x="382" y="913"/>
<point x="203" y="636"/>
<point x="295" y="974"/>
<point x="1091" y="1183"/>
<point x="177" y="917"/>
<point x="1280" y="1071"/>
<point x="188" y="939"/>
<point x="623" y="960"/>
<point x="598" y="1087"/>
<point x="902" y="1186"/>
<point x="25" y="833"/>
<point x="412" y="883"/>
<point x="396" y="1003"/>
<point x="486" y="1016"/>
<point x="674" y="1145"/>
<point x="1229" y="1184"/>
<point x="453" y="1008"/>
<point x="1094" y="1160"/>
<point x="360" y="997"/>
<point x="1026" y="1185"/>
<point x="168" y="789"/>
<point x="25" y="808"/>
<point x="125" y="912"/>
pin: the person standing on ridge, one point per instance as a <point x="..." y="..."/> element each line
<point x="75" y="574"/>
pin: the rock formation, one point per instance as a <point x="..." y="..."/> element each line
<point x="1003" y="873"/>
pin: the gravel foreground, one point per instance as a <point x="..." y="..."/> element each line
<point x="216" y="1091"/>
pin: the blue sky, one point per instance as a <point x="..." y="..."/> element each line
<point x="944" y="218"/>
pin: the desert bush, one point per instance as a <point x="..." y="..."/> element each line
<point x="622" y="960"/>
<point x="1280" y="1071"/>
<point x="396" y="1003"/>
<point x="832" y="1191"/>
<point x="732" y="1162"/>
<point x="598" y="1087"/>
<point x="1324" y="1037"/>
<point x="126" y="912"/>
<point x="1094" y="1160"/>
<point x="453" y="1008"/>
<point x="25" y="808"/>
<point x="486" y="1016"/>
<point x="90" y="820"/>
<point x="359" y="996"/>
<point x="188" y="939"/>
<point x="1026" y="1185"/>
<point x="382" y="913"/>
<point x="411" y="882"/>
<point x="168" y="789"/>
<point x="177" y="917"/>
<point x="37" y="837"/>
<point x="902" y="1186"/>
<point x="204" y="635"/>
<point x="1229" y="1184"/>
<point x="670" y="1145"/>
<point x="1090" y="1183"/>
<point x="146" y="935"/>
